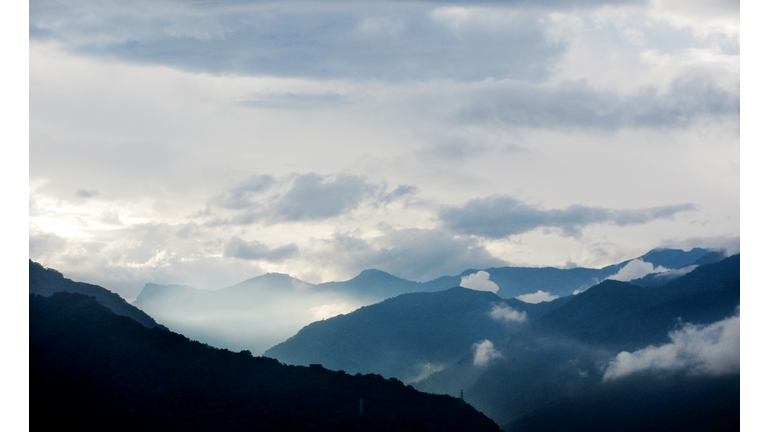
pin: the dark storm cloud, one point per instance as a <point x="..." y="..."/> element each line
<point x="415" y="254"/>
<point x="575" y="104"/>
<point x="500" y="216"/>
<point x="257" y="251"/>
<point x="395" y="41"/>
<point x="310" y="197"/>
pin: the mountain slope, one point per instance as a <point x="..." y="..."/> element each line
<point x="44" y="281"/>
<point x="401" y="337"/>
<point x="641" y="404"/>
<point x="91" y="369"/>
<point x="632" y="317"/>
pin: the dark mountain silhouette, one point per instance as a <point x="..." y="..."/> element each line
<point x="46" y="281"/>
<point x="641" y="404"/>
<point x="91" y="369"/>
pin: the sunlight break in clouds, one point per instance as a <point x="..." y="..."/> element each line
<point x="503" y="313"/>
<point x="479" y="281"/>
<point x="484" y="353"/>
<point x="699" y="350"/>
<point x="537" y="297"/>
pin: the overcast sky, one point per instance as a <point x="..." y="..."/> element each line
<point x="205" y="143"/>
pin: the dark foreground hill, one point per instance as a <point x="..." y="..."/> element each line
<point x="46" y="281"/>
<point x="91" y="369"/>
<point x="643" y="403"/>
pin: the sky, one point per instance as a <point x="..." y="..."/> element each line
<point x="205" y="142"/>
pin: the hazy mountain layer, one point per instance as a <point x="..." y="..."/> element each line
<point x="263" y="311"/>
<point x="91" y="369"/>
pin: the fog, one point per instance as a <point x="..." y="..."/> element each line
<point x="252" y="320"/>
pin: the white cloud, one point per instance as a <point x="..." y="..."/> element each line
<point x="537" y="297"/>
<point x="504" y="313"/>
<point x="485" y="352"/>
<point x="479" y="281"/>
<point x="636" y="269"/>
<point x="698" y="350"/>
<point x="161" y="138"/>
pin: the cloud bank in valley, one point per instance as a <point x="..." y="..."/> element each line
<point x="538" y="297"/>
<point x="504" y="313"/>
<point x="485" y="353"/>
<point x="636" y="269"/>
<point x="697" y="350"/>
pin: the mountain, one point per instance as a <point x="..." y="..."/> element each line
<point x="260" y="312"/>
<point x="516" y="281"/>
<point x="404" y="337"/>
<point x="675" y="258"/>
<point x="631" y="317"/>
<point x="46" y="281"/>
<point x="639" y="404"/>
<point x="91" y="369"/>
<point x="459" y="340"/>
<point x="374" y="285"/>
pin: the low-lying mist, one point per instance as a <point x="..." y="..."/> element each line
<point x="242" y="320"/>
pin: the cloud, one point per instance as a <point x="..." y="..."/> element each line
<point x="399" y="192"/>
<point x="385" y="41"/>
<point x="497" y="217"/>
<point x="314" y="197"/>
<point x="479" y="281"/>
<point x="697" y="350"/>
<point x="504" y="313"/>
<point x="299" y="100"/>
<point x="636" y="269"/>
<point x="82" y="193"/>
<point x="575" y="104"/>
<point x="484" y="353"/>
<point x="308" y="197"/>
<point x="257" y="251"/>
<point x="537" y="297"/>
<point x="453" y="150"/>
<point x="244" y="193"/>
<point x="412" y="253"/>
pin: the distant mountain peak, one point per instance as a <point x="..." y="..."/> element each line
<point x="368" y="274"/>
